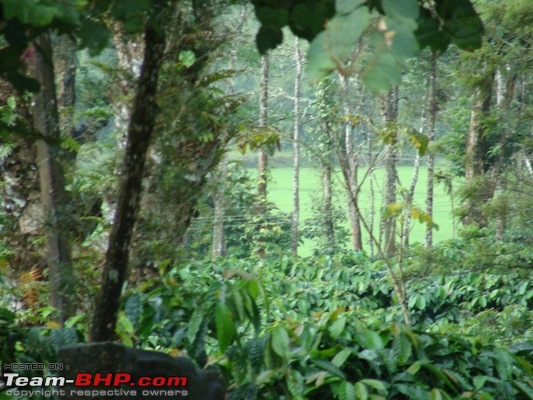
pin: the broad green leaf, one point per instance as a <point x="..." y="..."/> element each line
<point x="94" y="36"/>
<point x="479" y="381"/>
<point x="274" y="17"/>
<point x="268" y="38"/>
<point x="225" y="326"/>
<point x="280" y="341"/>
<point x="308" y="19"/>
<point x="401" y="348"/>
<point x="332" y="47"/>
<point x="327" y="366"/>
<point x="337" y="327"/>
<point x="194" y="325"/>
<point x="374" y="383"/>
<point x="401" y="8"/>
<point x="295" y="383"/>
<point x="436" y="394"/>
<point x="347" y="391"/>
<point x="413" y="392"/>
<point x="370" y="340"/>
<point x="347" y="6"/>
<point x="382" y="72"/>
<point x="341" y="357"/>
<point x="361" y="391"/>
<point x="413" y="369"/>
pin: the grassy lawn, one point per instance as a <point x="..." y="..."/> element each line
<point x="280" y="192"/>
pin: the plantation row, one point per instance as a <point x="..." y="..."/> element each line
<point x="324" y="328"/>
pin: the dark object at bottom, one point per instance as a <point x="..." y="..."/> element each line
<point x="109" y="371"/>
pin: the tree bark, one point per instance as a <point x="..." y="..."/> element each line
<point x="219" y="243"/>
<point x="327" y="187"/>
<point x="263" y="121"/>
<point x="433" y="109"/>
<point x="52" y="182"/>
<point x="351" y="163"/>
<point x="138" y="139"/>
<point x="475" y="155"/>
<point x="296" y="149"/>
<point x="389" y="110"/>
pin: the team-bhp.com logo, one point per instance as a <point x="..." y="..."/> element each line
<point x="93" y="385"/>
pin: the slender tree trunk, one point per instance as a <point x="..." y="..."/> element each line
<point x="352" y="164"/>
<point x="476" y="146"/>
<point x="433" y="109"/>
<point x="219" y="243"/>
<point x="505" y="91"/>
<point x="263" y="122"/>
<point x="129" y="51"/>
<point x="52" y="182"/>
<point x="139" y="134"/>
<point x="327" y="187"/>
<point x="389" y="109"/>
<point x="372" y="199"/>
<point x="296" y="149"/>
<point x="409" y="202"/>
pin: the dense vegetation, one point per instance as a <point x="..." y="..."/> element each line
<point x="137" y="201"/>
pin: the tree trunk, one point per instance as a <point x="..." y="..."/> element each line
<point x="389" y="109"/>
<point x="351" y="163"/>
<point x="476" y="147"/>
<point x="138" y="139"/>
<point x="219" y="243"/>
<point x="263" y="122"/>
<point x="296" y="150"/>
<point x="52" y="182"/>
<point x="327" y="187"/>
<point x="129" y="50"/>
<point x="433" y="109"/>
<point x="505" y="91"/>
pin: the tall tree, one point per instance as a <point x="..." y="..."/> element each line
<point x="263" y="122"/>
<point x="432" y="118"/>
<point x="477" y="146"/>
<point x="389" y="112"/>
<point x="298" y="58"/>
<point x="351" y="163"/>
<point x="139" y="134"/>
<point x="52" y="181"/>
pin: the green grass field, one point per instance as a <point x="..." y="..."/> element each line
<point x="280" y="192"/>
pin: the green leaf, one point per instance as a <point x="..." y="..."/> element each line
<point x="94" y="36"/>
<point x="382" y="72"/>
<point x="329" y="367"/>
<point x="225" y="327"/>
<point x="295" y="383"/>
<point x="361" y="391"/>
<point x="194" y="325"/>
<point x="337" y="327"/>
<point x="276" y="18"/>
<point x="268" y="38"/>
<point x="429" y="33"/>
<point x="280" y="341"/>
<point x="401" y="348"/>
<point x="347" y="391"/>
<point x="370" y="340"/>
<point x="341" y="357"/>
<point x="12" y="103"/>
<point x="401" y="8"/>
<point x="479" y="381"/>
<point x="347" y="6"/>
<point x="374" y="383"/>
<point x="307" y="19"/>
<point x="331" y="48"/>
